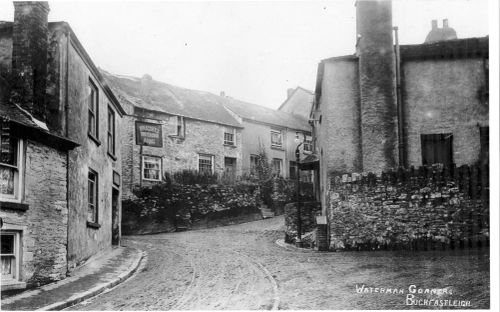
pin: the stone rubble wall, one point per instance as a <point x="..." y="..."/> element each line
<point x="419" y="209"/>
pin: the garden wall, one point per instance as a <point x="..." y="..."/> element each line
<point x="428" y="208"/>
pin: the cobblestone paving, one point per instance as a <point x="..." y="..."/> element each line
<point x="239" y="267"/>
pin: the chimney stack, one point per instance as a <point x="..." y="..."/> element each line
<point x="434" y="24"/>
<point x="289" y="92"/>
<point x="222" y="93"/>
<point x="445" y="23"/>
<point x="377" y="85"/>
<point x="29" y="56"/>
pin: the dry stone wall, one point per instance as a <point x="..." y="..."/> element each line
<point x="410" y="209"/>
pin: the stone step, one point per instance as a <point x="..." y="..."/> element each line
<point x="266" y="213"/>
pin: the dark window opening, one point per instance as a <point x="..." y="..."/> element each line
<point x="437" y="148"/>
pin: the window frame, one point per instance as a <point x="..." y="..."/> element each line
<point x="308" y="142"/>
<point x="180" y="127"/>
<point x="16" y="255"/>
<point x="280" y="133"/>
<point x="160" y="168"/>
<point x="253" y="166"/>
<point x="232" y="132"/>
<point x="280" y="170"/>
<point x="18" y="173"/>
<point x="111" y="132"/>
<point x="94" y="113"/>
<point x="95" y="221"/>
<point x="212" y="162"/>
<point x="433" y="139"/>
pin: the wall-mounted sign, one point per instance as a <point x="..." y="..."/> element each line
<point x="148" y="134"/>
<point x="116" y="178"/>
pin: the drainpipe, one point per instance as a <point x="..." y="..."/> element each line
<point x="66" y="107"/>
<point x="399" y="102"/>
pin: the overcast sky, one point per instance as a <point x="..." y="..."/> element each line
<point x="253" y="51"/>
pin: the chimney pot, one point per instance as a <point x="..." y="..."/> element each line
<point x="434" y="24"/>
<point x="445" y="23"/>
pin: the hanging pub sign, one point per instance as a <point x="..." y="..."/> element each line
<point x="148" y="134"/>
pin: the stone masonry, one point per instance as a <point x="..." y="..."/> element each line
<point x="409" y="209"/>
<point x="177" y="153"/>
<point x="44" y="225"/>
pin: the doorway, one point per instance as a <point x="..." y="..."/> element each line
<point x="115" y="218"/>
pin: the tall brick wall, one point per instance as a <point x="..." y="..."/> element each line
<point x="442" y="96"/>
<point x="85" y="241"/>
<point x="177" y="153"/>
<point x="44" y="225"/>
<point x="377" y="85"/>
<point x="423" y="209"/>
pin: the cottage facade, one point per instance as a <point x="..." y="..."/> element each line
<point x="276" y="132"/>
<point x="56" y="91"/>
<point x="170" y="129"/>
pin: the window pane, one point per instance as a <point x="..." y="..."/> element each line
<point x="7" y="179"/>
<point x="205" y="163"/>
<point x="276" y="138"/>
<point x="91" y="213"/>
<point x="7" y="244"/>
<point x="151" y="168"/>
<point x="7" y="265"/>
<point x="8" y="145"/>
<point x="91" y="123"/>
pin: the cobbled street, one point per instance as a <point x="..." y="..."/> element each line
<point x="241" y="267"/>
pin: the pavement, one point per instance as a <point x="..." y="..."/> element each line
<point x="97" y="275"/>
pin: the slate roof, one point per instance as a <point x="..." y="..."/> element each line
<point x="261" y="114"/>
<point x="154" y="95"/>
<point x="455" y="48"/>
<point x="159" y="96"/>
<point x="17" y="115"/>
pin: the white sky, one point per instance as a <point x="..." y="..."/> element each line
<point x="253" y="51"/>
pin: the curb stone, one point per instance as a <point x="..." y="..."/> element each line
<point x="281" y="242"/>
<point x="100" y="288"/>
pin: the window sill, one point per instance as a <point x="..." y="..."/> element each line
<point x="151" y="180"/>
<point x="112" y="156"/>
<point x="96" y="140"/>
<point x="178" y="137"/>
<point x="230" y="145"/>
<point x="14" y="206"/>
<point x="279" y="148"/>
<point x="93" y="225"/>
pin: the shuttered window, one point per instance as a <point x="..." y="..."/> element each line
<point x="437" y="148"/>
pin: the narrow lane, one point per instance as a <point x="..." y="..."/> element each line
<point x="240" y="267"/>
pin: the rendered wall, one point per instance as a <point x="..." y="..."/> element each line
<point x="85" y="241"/>
<point x="442" y="96"/>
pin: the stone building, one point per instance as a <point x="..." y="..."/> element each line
<point x="277" y="132"/>
<point x="169" y="129"/>
<point x="388" y="105"/>
<point x="61" y="151"/>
